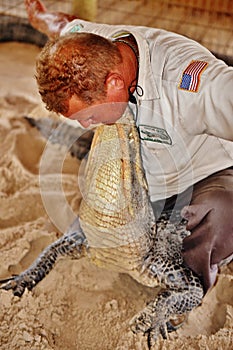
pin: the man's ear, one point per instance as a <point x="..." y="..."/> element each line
<point x="114" y="82"/>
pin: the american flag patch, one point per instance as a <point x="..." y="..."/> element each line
<point x="191" y="76"/>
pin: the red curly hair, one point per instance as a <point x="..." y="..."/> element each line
<point x="76" y="63"/>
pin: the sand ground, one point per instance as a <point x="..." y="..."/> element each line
<point x="77" y="306"/>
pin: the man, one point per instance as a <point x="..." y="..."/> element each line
<point x="181" y="96"/>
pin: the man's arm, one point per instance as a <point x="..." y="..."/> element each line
<point x="210" y="221"/>
<point x="49" y="23"/>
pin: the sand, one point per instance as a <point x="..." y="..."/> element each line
<point x="78" y="305"/>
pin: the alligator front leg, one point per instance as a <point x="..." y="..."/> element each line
<point x="154" y="319"/>
<point x="72" y="244"/>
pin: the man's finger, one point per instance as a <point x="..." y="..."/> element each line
<point x="195" y="214"/>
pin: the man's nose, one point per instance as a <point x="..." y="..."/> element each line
<point x="85" y="123"/>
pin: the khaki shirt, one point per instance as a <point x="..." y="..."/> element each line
<point x="185" y="111"/>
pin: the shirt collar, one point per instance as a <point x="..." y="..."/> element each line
<point x="145" y="77"/>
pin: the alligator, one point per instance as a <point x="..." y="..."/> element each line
<point x="116" y="228"/>
<point x="75" y="139"/>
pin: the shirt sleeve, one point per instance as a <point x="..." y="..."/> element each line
<point x="209" y="109"/>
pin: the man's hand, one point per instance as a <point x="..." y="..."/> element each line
<point x="210" y="220"/>
<point x="49" y="23"/>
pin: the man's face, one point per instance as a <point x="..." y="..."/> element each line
<point x="105" y="112"/>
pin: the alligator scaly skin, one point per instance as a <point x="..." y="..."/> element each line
<point x="115" y="212"/>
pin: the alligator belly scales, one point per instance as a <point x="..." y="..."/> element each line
<point x="116" y="229"/>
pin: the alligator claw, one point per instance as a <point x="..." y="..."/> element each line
<point x="10" y="284"/>
<point x="7" y="280"/>
<point x="17" y="284"/>
<point x="152" y="322"/>
<point x="151" y="326"/>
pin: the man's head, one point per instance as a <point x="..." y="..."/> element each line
<point x="86" y="73"/>
<point x="77" y="71"/>
<point x="75" y="64"/>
